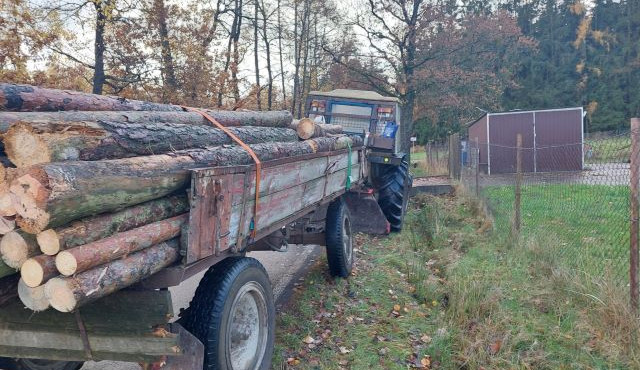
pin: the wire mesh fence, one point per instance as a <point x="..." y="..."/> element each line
<point x="574" y="198"/>
<point x="431" y="159"/>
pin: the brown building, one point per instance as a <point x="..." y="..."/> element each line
<point x="552" y="140"/>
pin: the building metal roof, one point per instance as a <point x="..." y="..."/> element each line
<point x="355" y="94"/>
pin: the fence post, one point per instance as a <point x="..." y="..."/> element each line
<point x="518" y="190"/>
<point x="635" y="178"/>
<point x="477" y="163"/>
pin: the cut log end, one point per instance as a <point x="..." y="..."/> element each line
<point x="24" y="148"/>
<point x="7" y="224"/>
<point x="66" y="263"/>
<point x="33" y="298"/>
<point x="7" y="205"/>
<point x="49" y="242"/>
<point x="32" y="273"/>
<point x="15" y="250"/>
<point x="60" y="296"/>
<point x="305" y="128"/>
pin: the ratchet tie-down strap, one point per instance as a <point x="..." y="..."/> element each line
<point x="244" y="146"/>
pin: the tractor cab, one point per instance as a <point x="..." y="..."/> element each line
<point x="366" y="113"/>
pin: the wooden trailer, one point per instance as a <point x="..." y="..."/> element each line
<point x="303" y="199"/>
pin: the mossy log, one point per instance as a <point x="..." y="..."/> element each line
<point x="29" y="143"/>
<point x="54" y="194"/>
<point x="67" y="294"/>
<point x="225" y="118"/>
<point x="85" y="257"/>
<point x="88" y="230"/>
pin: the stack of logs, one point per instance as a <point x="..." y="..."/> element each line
<point x="93" y="188"/>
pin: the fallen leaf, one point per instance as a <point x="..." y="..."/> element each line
<point x="293" y="361"/>
<point x="426" y="362"/>
<point x="383" y="351"/>
<point x="343" y="362"/>
<point x="308" y="339"/>
<point x="344" y="350"/>
<point x="396" y="307"/>
<point x="425" y="339"/>
<point x="495" y="347"/>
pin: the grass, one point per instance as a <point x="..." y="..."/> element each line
<point x="610" y="149"/>
<point x="587" y="225"/>
<point x="451" y="292"/>
<point x="423" y="166"/>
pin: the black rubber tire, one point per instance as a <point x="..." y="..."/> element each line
<point x="210" y="307"/>
<point x="339" y="239"/>
<point x="394" y="183"/>
<point x="27" y="364"/>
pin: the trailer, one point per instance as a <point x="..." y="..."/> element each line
<point x="320" y="198"/>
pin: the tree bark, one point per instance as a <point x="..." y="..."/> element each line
<point x="255" y="55"/>
<point x="225" y="118"/>
<point x="170" y="84"/>
<point x="67" y="294"/>
<point x="88" y="256"/>
<point x="308" y="129"/>
<point x="38" y="270"/>
<point x="102" y="14"/>
<point x="32" y="143"/>
<point x="18" y="246"/>
<point x="5" y="270"/>
<point x="51" y="195"/>
<point x="282" y="72"/>
<point x="33" y="298"/>
<point x="8" y="288"/>
<point x="85" y="231"/>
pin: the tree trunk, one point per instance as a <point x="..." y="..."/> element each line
<point x="33" y="298"/>
<point x="255" y="54"/>
<point x="85" y="231"/>
<point x="170" y="84"/>
<point x="226" y="118"/>
<point x="267" y="46"/>
<point x="88" y="256"/>
<point x="18" y="246"/>
<point x="8" y="288"/>
<point x="51" y="195"/>
<point x="5" y="270"/>
<point x="307" y="129"/>
<point x="282" y="73"/>
<point x="67" y="294"/>
<point x="28" y="144"/>
<point x="99" y="45"/>
<point x="26" y="98"/>
<point x="38" y="270"/>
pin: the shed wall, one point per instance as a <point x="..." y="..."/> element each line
<point x="479" y="131"/>
<point x="559" y="140"/>
<point x="503" y="131"/>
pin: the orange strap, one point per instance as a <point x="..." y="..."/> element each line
<point x="251" y="153"/>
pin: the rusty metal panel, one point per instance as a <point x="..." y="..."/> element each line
<point x="478" y="131"/>
<point x="559" y="140"/>
<point x="503" y="130"/>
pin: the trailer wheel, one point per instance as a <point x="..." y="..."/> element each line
<point x="338" y="239"/>
<point x="32" y="364"/>
<point x="233" y="315"/>
<point x="393" y="193"/>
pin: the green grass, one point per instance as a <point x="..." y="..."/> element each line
<point x="465" y="297"/>
<point x="610" y="149"/>
<point x="421" y="166"/>
<point x="585" y="224"/>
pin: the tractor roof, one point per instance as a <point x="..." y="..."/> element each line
<point x="355" y="94"/>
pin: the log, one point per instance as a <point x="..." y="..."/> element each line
<point x="7" y="224"/>
<point x="67" y="294"/>
<point x="8" y="288"/>
<point x="88" y="256"/>
<point x="85" y="231"/>
<point x="26" y="98"/>
<point x="28" y="144"/>
<point x="54" y="194"/>
<point x="226" y="118"/>
<point x="38" y="270"/>
<point x="18" y="246"/>
<point x="5" y="270"/>
<point x="34" y="299"/>
<point x="308" y="129"/>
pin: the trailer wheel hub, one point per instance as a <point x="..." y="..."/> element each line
<point x="248" y="328"/>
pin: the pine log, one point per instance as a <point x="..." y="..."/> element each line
<point x="54" y="194"/>
<point x="8" y="288"/>
<point x="5" y="270"/>
<point x="225" y="118"/>
<point x="88" y="256"/>
<point x="308" y="129"/>
<point x="18" y="246"/>
<point x="34" y="299"/>
<point x="38" y="270"/>
<point x="7" y="224"/>
<point x="67" y="294"/>
<point x="88" y="230"/>
<point x="27" y="144"/>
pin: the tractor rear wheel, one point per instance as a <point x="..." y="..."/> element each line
<point x="394" y="183"/>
